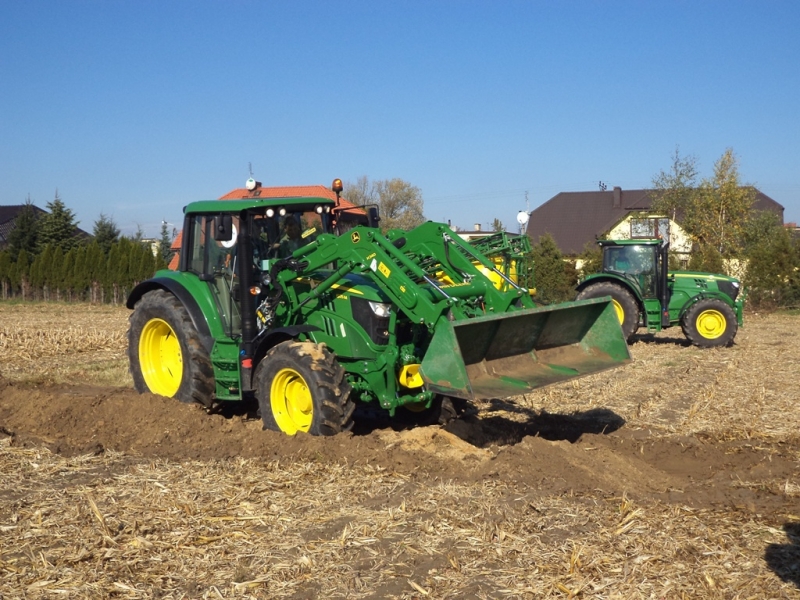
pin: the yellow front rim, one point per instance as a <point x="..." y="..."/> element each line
<point x="160" y="358"/>
<point x="711" y="324"/>
<point x="619" y="311"/>
<point x="291" y="402"/>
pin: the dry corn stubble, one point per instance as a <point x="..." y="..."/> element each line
<point x="682" y="483"/>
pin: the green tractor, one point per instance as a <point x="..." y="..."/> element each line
<point x="644" y="293"/>
<point x="275" y="300"/>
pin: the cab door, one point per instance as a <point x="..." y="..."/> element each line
<point x="213" y="259"/>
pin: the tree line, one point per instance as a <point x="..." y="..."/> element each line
<point x="48" y="258"/>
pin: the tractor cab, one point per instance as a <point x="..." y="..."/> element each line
<point x="217" y="242"/>
<point x="637" y="261"/>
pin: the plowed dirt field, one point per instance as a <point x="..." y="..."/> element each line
<point x="673" y="477"/>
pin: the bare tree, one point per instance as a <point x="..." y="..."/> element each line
<point x="399" y="202"/>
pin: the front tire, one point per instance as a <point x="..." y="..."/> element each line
<point x="165" y="353"/>
<point x="709" y="323"/>
<point x="624" y="304"/>
<point x="301" y="387"/>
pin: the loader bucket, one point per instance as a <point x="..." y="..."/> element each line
<point x="504" y="355"/>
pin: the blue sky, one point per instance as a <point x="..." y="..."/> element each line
<point x="134" y="109"/>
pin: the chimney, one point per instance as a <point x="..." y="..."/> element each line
<point x="477" y="226"/>
<point x="617" y="197"/>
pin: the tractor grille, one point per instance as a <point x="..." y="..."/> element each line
<point x="377" y="328"/>
<point x="728" y="288"/>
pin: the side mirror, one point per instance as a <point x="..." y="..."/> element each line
<point x="373" y="218"/>
<point x="223" y="228"/>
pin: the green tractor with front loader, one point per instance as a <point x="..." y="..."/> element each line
<point x="645" y="294"/>
<point x="272" y="300"/>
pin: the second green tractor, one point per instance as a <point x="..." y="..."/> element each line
<point x="645" y="294"/>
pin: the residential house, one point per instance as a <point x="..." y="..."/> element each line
<point x="576" y="219"/>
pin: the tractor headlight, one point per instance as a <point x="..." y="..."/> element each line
<point x="731" y="288"/>
<point x="381" y="309"/>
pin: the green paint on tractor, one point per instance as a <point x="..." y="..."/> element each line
<point x="312" y="323"/>
<point x="645" y="294"/>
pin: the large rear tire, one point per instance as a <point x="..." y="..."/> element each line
<point x="165" y="354"/>
<point x="624" y="304"/>
<point x="301" y="387"/>
<point x="709" y="323"/>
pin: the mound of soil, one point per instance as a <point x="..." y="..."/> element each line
<point x="550" y="454"/>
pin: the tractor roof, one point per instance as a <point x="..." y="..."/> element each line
<point x="634" y="242"/>
<point x="235" y="206"/>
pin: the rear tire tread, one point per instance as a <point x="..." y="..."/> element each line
<point x="623" y="297"/>
<point x="197" y="381"/>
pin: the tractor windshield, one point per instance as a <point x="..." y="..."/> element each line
<point x="278" y="236"/>
<point x="636" y="263"/>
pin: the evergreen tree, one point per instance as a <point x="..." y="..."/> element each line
<point x="105" y="233"/>
<point x="112" y="270"/>
<point x="147" y="265"/>
<point x="138" y="236"/>
<point x="165" y="243"/>
<point x="555" y="277"/>
<point x="20" y="273"/>
<point x="119" y="267"/>
<point x="707" y="258"/>
<point x="95" y="265"/>
<point x="80" y="276"/>
<point x="44" y="271"/>
<point x="591" y="259"/>
<point x="773" y="272"/>
<point x="54" y="274"/>
<point x="25" y="234"/>
<point x="5" y="273"/>
<point x="68" y="274"/>
<point x="58" y="227"/>
<point x="37" y="276"/>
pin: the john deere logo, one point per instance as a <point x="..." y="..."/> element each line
<point x="355" y="237"/>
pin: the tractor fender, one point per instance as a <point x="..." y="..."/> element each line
<point x="702" y="296"/>
<point x="190" y="304"/>
<point x="275" y="336"/>
<point x="622" y="282"/>
<point x="603" y="278"/>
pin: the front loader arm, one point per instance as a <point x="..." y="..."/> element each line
<point x="411" y="269"/>
<point x="366" y="252"/>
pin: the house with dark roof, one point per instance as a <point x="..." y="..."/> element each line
<point x="8" y="217"/>
<point x="576" y="219"/>
<point x="286" y="191"/>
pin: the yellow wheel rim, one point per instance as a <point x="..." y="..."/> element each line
<point x="160" y="358"/>
<point x="619" y="311"/>
<point x="291" y="402"/>
<point x="711" y="324"/>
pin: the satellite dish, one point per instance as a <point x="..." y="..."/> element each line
<point x="250" y="184"/>
<point x="522" y="218"/>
